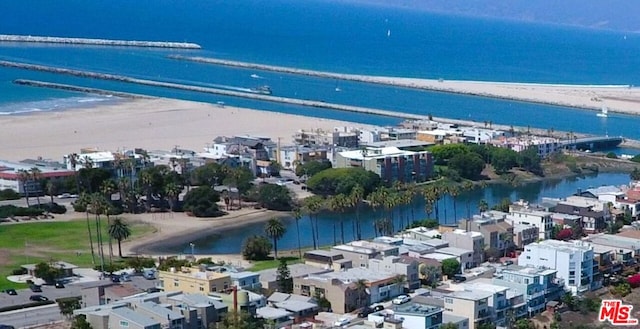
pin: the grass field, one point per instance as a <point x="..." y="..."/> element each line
<point x="272" y="263"/>
<point x="68" y="241"/>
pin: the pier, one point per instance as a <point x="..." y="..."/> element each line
<point x="86" y="90"/>
<point x="97" y="42"/>
<point x="592" y="143"/>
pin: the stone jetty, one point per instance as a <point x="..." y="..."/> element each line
<point x="97" y="42"/>
<point x="86" y="90"/>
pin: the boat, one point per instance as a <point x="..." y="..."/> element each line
<point x="338" y="89"/>
<point x="603" y="113"/>
<point x="262" y="90"/>
<point x="255" y="76"/>
<point x="388" y="33"/>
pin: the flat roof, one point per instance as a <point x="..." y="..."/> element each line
<point x="296" y="270"/>
<point x="472" y="295"/>
<point x="271" y="313"/>
<point x="437" y="256"/>
<point x="352" y="275"/>
<point x="128" y="314"/>
<point x="417" y="309"/>
<point x="375" y="153"/>
<point x="296" y="305"/>
<point x="454" y="251"/>
<point x="400" y="143"/>
<point x="617" y="241"/>
<point x="161" y="311"/>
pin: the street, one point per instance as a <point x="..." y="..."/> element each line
<point x="31" y="316"/>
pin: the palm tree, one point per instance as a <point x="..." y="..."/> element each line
<point x="507" y="238"/>
<point x="51" y="189"/>
<point x="73" y="161"/>
<point x="297" y="215"/>
<point x="119" y="230"/>
<point x="275" y="230"/>
<point x="338" y="203"/>
<point x="361" y="286"/>
<point x="483" y="206"/>
<point x="36" y="176"/>
<point x="400" y="280"/>
<point x="357" y="196"/>
<point x="98" y="206"/>
<point x="85" y="201"/>
<point x="467" y="186"/>
<point x="454" y="191"/>
<point x="172" y="190"/>
<point x="313" y="205"/>
<point x="146" y="180"/>
<point x="24" y="177"/>
<point x="107" y="188"/>
<point x="411" y="193"/>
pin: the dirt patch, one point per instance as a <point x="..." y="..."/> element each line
<point x="4" y="256"/>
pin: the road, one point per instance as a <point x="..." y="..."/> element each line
<point x="33" y="201"/>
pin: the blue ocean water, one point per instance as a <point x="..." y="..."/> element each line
<point x="325" y="35"/>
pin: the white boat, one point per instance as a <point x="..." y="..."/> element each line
<point x="388" y="33"/>
<point x="255" y="76"/>
<point x="338" y="89"/>
<point x="603" y="113"/>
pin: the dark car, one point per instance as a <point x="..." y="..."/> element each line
<point x="377" y="308"/>
<point x="365" y="312"/>
<point x="115" y="278"/>
<point x="59" y="285"/>
<point x="4" y="326"/>
<point x="11" y="292"/>
<point x="38" y="298"/>
<point x="35" y="288"/>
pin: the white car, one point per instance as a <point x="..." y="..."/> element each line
<point x="401" y="299"/>
<point x="341" y="322"/>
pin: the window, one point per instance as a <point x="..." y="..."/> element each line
<point x="124" y="323"/>
<point x="201" y="288"/>
<point x="214" y="288"/>
<point x="448" y="300"/>
<point x="176" y="284"/>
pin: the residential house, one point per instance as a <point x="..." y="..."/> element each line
<point x="497" y="232"/>
<point x="626" y="249"/>
<point x="240" y="279"/>
<point x="422" y="233"/>
<point x="194" y="280"/>
<point x="278" y="317"/>
<point x="537" y="285"/>
<point x="497" y="301"/>
<point x="523" y="234"/>
<point x="268" y="277"/>
<point x="360" y="252"/>
<point x="299" y="306"/>
<point x="573" y="261"/>
<point x="290" y="157"/>
<point x="463" y="256"/>
<point x="521" y="213"/>
<point x="166" y="317"/>
<point x="595" y="215"/>
<point x="468" y="240"/>
<point x="473" y="305"/>
<point x="404" y="267"/>
<point x="327" y="259"/>
<point x="342" y="294"/>
<point x="339" y="136"/>
<point x="390" y="163"/>
<point x="381" y="285"/>
<point x="419" y="316"/>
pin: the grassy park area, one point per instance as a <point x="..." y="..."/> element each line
<point x="29" y="243"/>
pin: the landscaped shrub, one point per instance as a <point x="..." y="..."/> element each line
<point x="634" y="281"/>
<point x="19" y="271"/>
<point x="11" y="210"/>
<point x="9" y="194"/>
<point x="53" y="208"/>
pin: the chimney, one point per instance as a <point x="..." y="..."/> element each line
<point x="235" y="298"/>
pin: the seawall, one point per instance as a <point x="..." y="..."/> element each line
<point x="451" y="87"/>
<point x="97" y="42"/>
<point x="60" y="86"/>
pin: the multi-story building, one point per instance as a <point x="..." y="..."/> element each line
<point x="468" y="240"/>
<point x="400" y="266"/>
<point x="625" y="249"/>
<point x="471" y="304"/>
<point x="537" y="285"/>
<point x="343" y="295"/>
<point x="573" y="261"/>
<point x="497" y="301"/>
<point x="290" y="157"/>
<point x="594" y="214"/>
<point x="390" y="163"/>
<point x="360" y="252"/>
<point x="463" y="256"/>
<point x="194" y="280"/>
<point x="268" y="277"/>
<point x="523" y="234"/>
<point x="240" y="279"/>
<point x="17" y="176"/>
<point x="339" y="136"/>
<point x="497" y="232"/>
<point x="419" y="316"/>
<point x="521" y="213"/>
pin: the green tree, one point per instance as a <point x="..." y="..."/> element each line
<point x="503" y="206"/>
<point x="275" y="230"/>
<point x="172" y="190"/>
<point x="67" y="305"/>
<point x="442" y="154"/>
<point x="47" y="273"/>
<point x="468" y="165"/>
<point x="524" y="324"/>
<point x="283" y="278"/>
<point x="312" y="206"/>
<point x="275" y="197"/>
<point x="449" y="325"/>
<point x="312" y="167"/>
<point x="235" y="319"/>
<point x="211" y="174"/>
<point x="635" y="174"/>
<point x="297" y="215"/>
<point x="25" y="177"/>
<point x="483" y="206"/>
<point x="202" y="202"/>
<point x="356" y="198"/>
<point x="503" y="159"/>
<point x="339" y="203"/>
<point x="361" y="287"/>
<point x="119" y="230"/>
<point x="256" y="248"/>
<point x="450" y="267"/>
<point x="430" y="274"/>
<point x="342" y="181"/>
<point x="80" y="322"/>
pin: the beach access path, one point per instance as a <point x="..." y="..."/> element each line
<point x="154" y="124"/>
<point x="617" y="98"/>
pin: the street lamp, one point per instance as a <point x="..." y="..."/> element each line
<point x="192" y="250"/>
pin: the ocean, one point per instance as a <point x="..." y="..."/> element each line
<point x="322" y="35"/>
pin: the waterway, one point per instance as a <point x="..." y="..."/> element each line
<point x="231" y="241"/>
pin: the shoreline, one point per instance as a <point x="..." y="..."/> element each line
<point x="617" y="98"/>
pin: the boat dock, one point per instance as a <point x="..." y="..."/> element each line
<point x="97" y="42"/>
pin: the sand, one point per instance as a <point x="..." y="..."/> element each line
<point x="154" y="124"/>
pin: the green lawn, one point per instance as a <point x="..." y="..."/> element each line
<point x="44" y="241"/>
<point x="272" y="263"/>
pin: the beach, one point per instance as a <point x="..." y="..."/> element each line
<point x="153" y="124"/>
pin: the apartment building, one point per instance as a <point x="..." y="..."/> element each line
<point x="538" y="285"/>
<point x="342" y="294"/>
<point x="497" y="232"/>
<point x="594" y="214"/>
<point x="521" y="213"/>
<point x="468" y="240"/>
<point x="194" y="280"/>
<point x="390" y="163"/>
<point x="419" y="316"/>
<point x="524" y="234"/>
<point x="339" y="136"/>
<point x="407" y="268"/>
<point x="360" y="252"/>
<point x="497" y="302"/>
<point x="573" y="261"/>
<point x="473" y="305"/>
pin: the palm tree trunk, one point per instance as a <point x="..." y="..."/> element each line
<point x="313" y="232"/>
<point x="93" y="254"/>
<point x="341" y="228"/>
<point x="275" y="246"/>
<point x="358" y="224"/>
<point x="99" y="241"/>
<point x="26" y="193"/>
<point x="110" y="241"/>
<point x="120" y="248"/>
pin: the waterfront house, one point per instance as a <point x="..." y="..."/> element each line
<point x="473" y="305"/>
<point x="390" y="163"/>
<point x="404" y="267"/>
<point x="574" y="262"/>
<point x="497" y="232"/>
<point x="521" y="213"/>
<point x="341" y="293"/>
<point x="327" y="259"/>
<point x="360" y="252"/>
<point x="468" y="240"/>
<point x="339" y="136"/>
<point x="594" y="214"/>
<point x="626" y="249"/>
<point x="524" y="234"/>
<point x="289" y="157"/>
<point x="194" y="280"/>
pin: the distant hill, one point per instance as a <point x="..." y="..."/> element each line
<point x="618" y="15"/>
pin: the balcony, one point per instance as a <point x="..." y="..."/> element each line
<point x="535" y="295"/>
<point x="484" y="314"/>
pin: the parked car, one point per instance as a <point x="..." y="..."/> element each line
<point x="377" y="307"/>
<point x="59" y="285"/>
<point x="342" y="322"/>
<point x="365" y="312"/>
<point x="401" y="299"/>
<point x="35" y="288"/>
<point x="5" y="326"/>
<point x="38" y="298"/>
<point x="11" y="292"/>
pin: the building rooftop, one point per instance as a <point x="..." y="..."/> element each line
<point x="372" y="245"/>
<point x="448" y="317"/>
<point x="160" y="311"/>
<point x="332" y="254"/>
<point x="296" y="305"/>
<point x="131" y="316"/>
<point x="401" y="143"/>
<point x="472" y="234"/>
<point x="617" y="241"/>
<point x="526" y="270"/>
<point x="566" y="246"/>
<point x="388" y="240"/>
<point x="417" y="309"/>
<point x="296" y="270"/>
<point x="353" y="275"/>
<point x="472" y="295"/>
<point x="609" y="189"/>
<point x="195" y="273"/>
<point x="375" y="153"/>
<point x="454" y="251"/>
<point x="272" y="313"/>
<point x="438" y="256"/>
<point x="278" y="297"/>
<point x="425" y="231"/>
<point x="197" y="300"/>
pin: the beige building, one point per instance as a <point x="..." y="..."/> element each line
<point x="194" y="280"/>
<point x="344" y="297"/>
<point x="473" y="305"/>
<point x="359" y="252"/>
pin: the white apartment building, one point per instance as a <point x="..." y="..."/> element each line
<point x="467" y="240"/>
<point x="520" y="213"/>
<point x="573" y="260"/>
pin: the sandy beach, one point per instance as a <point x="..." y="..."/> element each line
<point x="155" y="124"/>
<point x="617" y="98"/>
